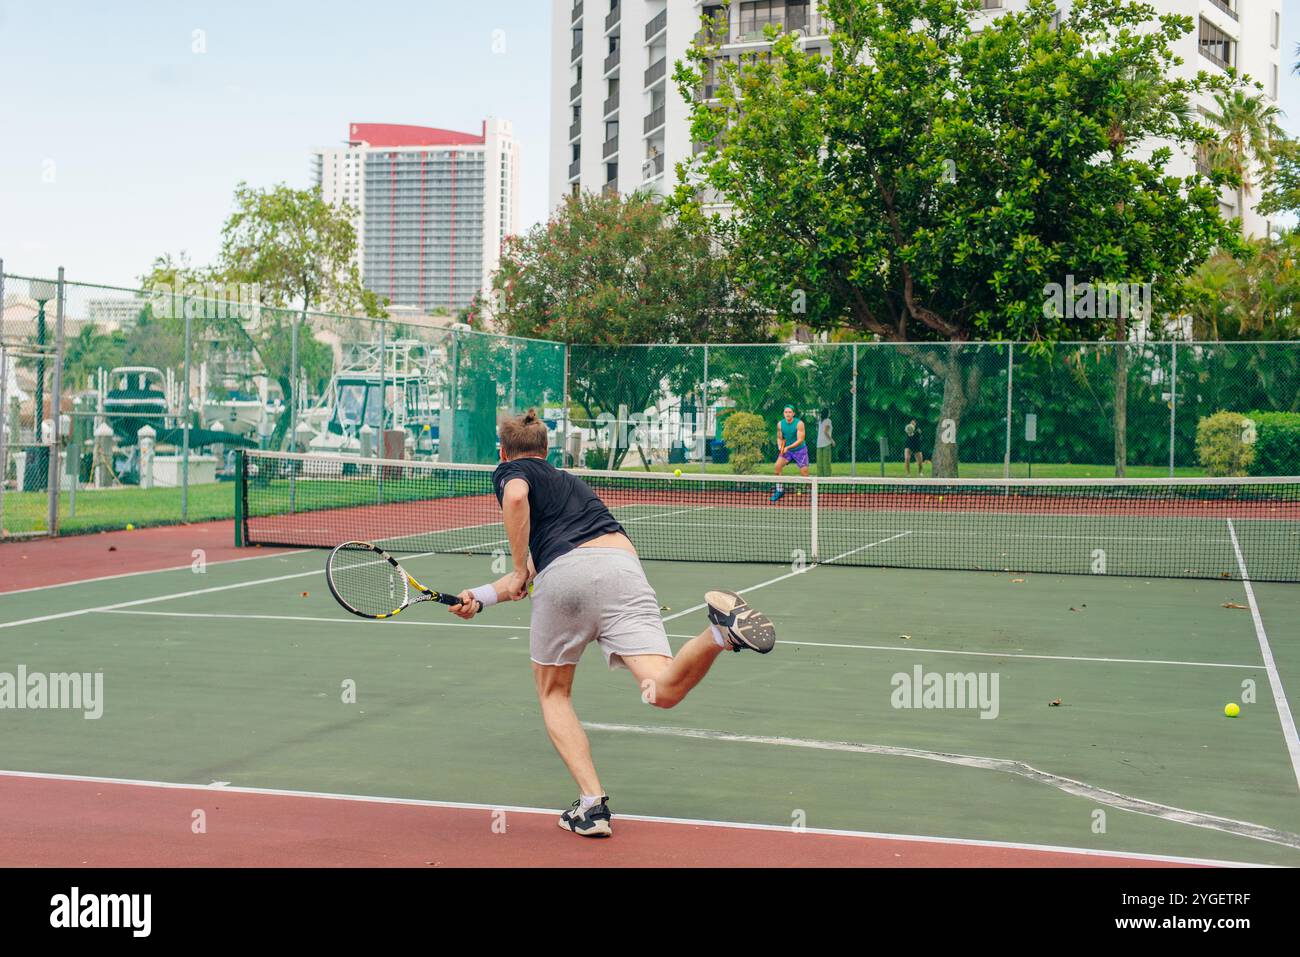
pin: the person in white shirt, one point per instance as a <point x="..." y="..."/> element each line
<point x="825" y="444"/>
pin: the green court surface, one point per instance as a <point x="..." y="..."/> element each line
<point x="239" y="675"/>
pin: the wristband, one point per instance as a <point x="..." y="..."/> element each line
<point x="485" y="595"/>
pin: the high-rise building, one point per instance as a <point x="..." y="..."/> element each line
<point x="618" y="121"/>
<point x="433" y="207"/>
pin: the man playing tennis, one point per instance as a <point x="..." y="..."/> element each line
<point x="590" y="586"/>
<point x="791" y="441"/>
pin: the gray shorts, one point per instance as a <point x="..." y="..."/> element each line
<point x="595" y="594"/>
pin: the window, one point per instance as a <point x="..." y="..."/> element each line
<point x="1272" y="80"/>
<point x="1276" y="32"/>
<point x="1217" y="45"/>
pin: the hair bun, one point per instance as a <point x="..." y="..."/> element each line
<point x="530" y="417"/>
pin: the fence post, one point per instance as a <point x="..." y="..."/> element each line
<point x="4" y="404"/>
<point x="54" y="478"/>
<point x="293" y="403"/>
<point x="1006" y="459"/>
<point x="853" y="426"/>
<point x="704" y="410"/>
<point x="514" y="384"/>
<point x="564" y="417"/>
<point x="1173" y="403"/>
<point x="185" y="417"/>
<point x="382" y="448"/>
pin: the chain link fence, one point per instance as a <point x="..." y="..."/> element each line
<point x="982" y="410"/>
<point x="123" y="406"/>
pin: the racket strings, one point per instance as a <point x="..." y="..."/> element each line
<point x="366" y="581"/>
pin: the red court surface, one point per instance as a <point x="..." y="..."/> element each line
<point x="55" y="561"/>
<point x="51" y="822"/>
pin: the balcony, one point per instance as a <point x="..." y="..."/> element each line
<point x="657" y="26"/>
<point x="575" y="168"/>
<point x="575" y="130"/>
<point x="575" y="53"/>
<point x="611" y="147"/>
<point x="652" y="167"/>
<point x="615" y="15"/>
<point x="613" y="59"/>
<point x="576" y="13"/>
<point x="1226" y="7"/>
<point x="611" y="104"/>
<point x="654" y="121"/>
<point x="610" y="188"/>
<point x="658" y="70"/>
<point x="575" y="91"/>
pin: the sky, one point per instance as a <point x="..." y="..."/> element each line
<point x="125" y="126"/>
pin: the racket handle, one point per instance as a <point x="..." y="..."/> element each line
<point x="455" y="600"/>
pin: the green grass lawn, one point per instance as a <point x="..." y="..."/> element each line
<point x="103" y="509"/>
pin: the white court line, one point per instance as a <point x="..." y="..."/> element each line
<point x="327" y="621"/>
<point x="652" y="819"/>
<point x="183" y="594"/>
<point x="1274" y="679"/>
<point x="1071" y="786"/>
<point x="150" y="571"/>
<point x="812" y="644"/>
<point x="781" y="578"/>
<point x="998" y="654"/>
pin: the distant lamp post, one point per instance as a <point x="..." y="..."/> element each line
<point x="42" y="292"/>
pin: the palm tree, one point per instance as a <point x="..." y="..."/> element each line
<point x="1248" y="128"/>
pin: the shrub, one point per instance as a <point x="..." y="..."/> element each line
<point x="1277" y="443"/>
<point x="1225" y="443"/>
<point x="744" y="434"/>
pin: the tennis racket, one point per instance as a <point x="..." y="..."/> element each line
<point x="370" y="583"/>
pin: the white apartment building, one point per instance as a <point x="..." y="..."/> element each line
<point x="434" y="207"/>
<point x="618" y="121"/>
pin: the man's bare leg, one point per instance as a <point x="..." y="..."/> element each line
<point x="671" y="678"/>
<point x="554" y="691"/>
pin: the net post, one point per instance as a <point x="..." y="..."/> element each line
<point x="54" y="480"/>
<point x="814" y="507"/>
<point x="241" y="499"/>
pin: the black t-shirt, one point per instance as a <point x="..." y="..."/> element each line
<point x="563" y="511"/>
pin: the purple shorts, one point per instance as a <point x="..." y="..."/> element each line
<point x="797" y="456"/>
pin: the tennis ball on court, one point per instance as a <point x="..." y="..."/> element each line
<point x="130" y="527"/>
<point x="1232" y="709"/>
<point x="677" y="472"/>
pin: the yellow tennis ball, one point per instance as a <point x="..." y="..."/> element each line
<point x="1232" y="709"/>
<point x="677" y="472"/>
<point x="130" y="527"/>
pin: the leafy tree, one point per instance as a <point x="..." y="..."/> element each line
<point x="926" y="182"/>
<point x="610" y="271"/>
<point x="298" y="252"/>
<point x="1281" y="181"/>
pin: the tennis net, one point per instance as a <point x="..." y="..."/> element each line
<point x="1185" y="528"/>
